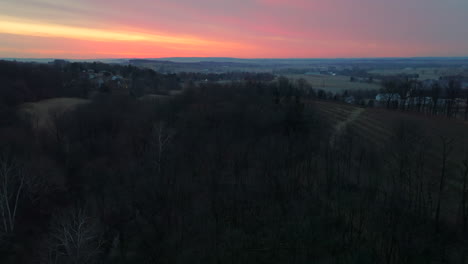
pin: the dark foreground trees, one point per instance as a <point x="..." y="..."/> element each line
<point x="234" y="173"/>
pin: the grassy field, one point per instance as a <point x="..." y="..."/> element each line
<point x="424" y="73"/>
<point x="40" y="112"/>
<point x="377" y="127"/>
<point x="334" y="84"/>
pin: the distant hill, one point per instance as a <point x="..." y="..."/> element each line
<point x="268" y="61"/>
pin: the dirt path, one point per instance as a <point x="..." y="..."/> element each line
<point x="342" y="125"/>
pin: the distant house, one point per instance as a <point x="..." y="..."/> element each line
<point x="350" y="100"/>
<point x="117" y="78"/>
<point x="385" y="97"/>
<point x="428" y="84"/>
<point x="105" y="74"/>
<point x="425" y="100"/>
<point x="464" y="85"/>
<point x="100" y="82"/>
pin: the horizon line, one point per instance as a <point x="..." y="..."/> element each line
<point x="236" y="58"/>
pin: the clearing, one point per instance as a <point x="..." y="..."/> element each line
<point x="334" y="84"/>
<point x="424" y="72"/>
<point x="40" y="112"/>
<point x="377" y="127"/>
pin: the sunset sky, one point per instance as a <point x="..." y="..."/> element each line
<point x="84" y="29"/>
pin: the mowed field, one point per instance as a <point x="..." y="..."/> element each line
<point x="424" y="73"/>
<point x="40" y="112"/>
<point x="334" y="84"/>
<point x="377" y="127"/>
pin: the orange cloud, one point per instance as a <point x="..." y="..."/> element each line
<point x="51" y="30"/>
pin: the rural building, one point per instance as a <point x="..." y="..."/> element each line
<point x="104" y="81"/>
<point x="464" y="84"/>
<point x="350" y="100"/>
<point x="428" y="84"/>
<point x="384" y="97"/>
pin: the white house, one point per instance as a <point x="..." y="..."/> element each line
<point x="385" y="97"/>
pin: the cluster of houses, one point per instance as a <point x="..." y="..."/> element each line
<point x="422" y="99"/>
<point x="107" y="82"/>
<point x="384" y="99"/>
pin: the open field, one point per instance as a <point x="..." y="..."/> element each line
<point x="40" y="112"/>
<point x="377" y="127"/>
<point x="334" y="84"/>
<point x="424" y="73"/>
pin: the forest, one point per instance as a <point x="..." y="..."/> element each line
<point x="248" y="170"/>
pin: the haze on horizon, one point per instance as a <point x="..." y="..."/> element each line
<point x="223" y="28"/>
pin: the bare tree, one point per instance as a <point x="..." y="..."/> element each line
<point x="57" y="124"/>
<point x="305" y="87"/>
<point x="464" y="193"/>
<point x="466" y="105"/>
<point x="75" y="239"/>
<point x="435" y="95"/>
<point x="405" y="88"/>
<point x="447" y="146"/>
<point x="453" y="91"/>
<point x="418" y="95"/>
<point x="161" y="137"/>
<point x="391" y="88"/>
<point x="12" y="182"/>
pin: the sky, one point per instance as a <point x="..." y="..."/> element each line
<point x="90" y="29"/>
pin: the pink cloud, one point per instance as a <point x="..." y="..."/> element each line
<point x="261" y="28"/>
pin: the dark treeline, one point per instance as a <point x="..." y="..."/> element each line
<point x="244" y="172"/>
<point x="436" y="98"/>
<point x="228" y="76"/>
<point x="433" y="97"/>
<point x="29" y="82"/>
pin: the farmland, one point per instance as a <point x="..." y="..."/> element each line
<point x="380" y="128"/>
<point x="378" y="125"/>
<point x="334" y="84"/>
<point x="423" y="72"/>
